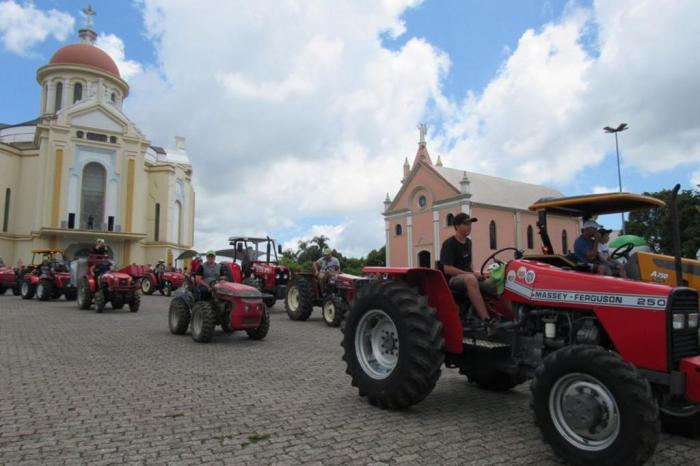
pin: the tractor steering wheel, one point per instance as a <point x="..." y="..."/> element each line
<point x="492" y="257"/>
<point x="622" y="251"/>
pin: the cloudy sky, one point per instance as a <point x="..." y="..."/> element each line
<point x="298" y="114"/>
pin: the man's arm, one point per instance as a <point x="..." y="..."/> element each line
<point x="199" y="277"/>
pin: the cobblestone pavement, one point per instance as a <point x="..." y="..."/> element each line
<point x="81" y="387"/>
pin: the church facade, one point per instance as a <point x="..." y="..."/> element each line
<point x="82" y="170"/>
<point x="419" y="217"/>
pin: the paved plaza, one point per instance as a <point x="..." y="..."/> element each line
<point x="81" y="387"/>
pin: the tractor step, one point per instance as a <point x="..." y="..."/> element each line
<point x="484" y="343"/>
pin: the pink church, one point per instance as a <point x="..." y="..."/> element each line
<point x="419" y="218"/>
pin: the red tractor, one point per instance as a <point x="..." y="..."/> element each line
<point x="9" y="279"/>
<point x="304" y="292"/>
<point x="47" y="277"/>
<point x="610" y="359"/>
<point x="233" y="306"/>
<point x="259" y="265"/>
<point x="154" y="279"/>
<point x="98" y="283"/>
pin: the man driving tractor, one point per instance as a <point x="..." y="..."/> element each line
<point x="209" y="272"/>
<point x="586" y="246"/>
<point x="325" y="267"/>
<point x="456" y="259"/>
<point x="100" y="249"/>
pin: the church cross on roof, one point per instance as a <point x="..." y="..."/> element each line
<point x="422" y="152"/>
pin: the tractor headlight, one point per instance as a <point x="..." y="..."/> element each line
<point x="693" y="320"/>
<point x="278" y="276"/>
<point x="679" y="321"/>
<point x="246" y="307"/>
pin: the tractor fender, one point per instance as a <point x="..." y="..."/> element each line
<point x="430" y="283"/>
<point x="691" y="368"/>
<point x="185" y="295"/>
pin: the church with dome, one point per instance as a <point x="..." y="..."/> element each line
<point x="83" y="170"/>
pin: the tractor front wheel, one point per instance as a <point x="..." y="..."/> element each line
<point x="594" y="408"/>
<point x="299" y="300"/>
<point x="147" y="286"/>
<point x="100" y="301"/>
<point x="44" y="290"/>
<point x="681" y="422"/>
<point x="70" y="294"/>
<point x="167" y="289"/>
<point x="333" y="310"/>
<point x="261" y="330"/>
<point x="16" y="291"/>
<point x="392" y="345"/>
<point x="178" y="316"/>
<point x="27" y="290"/>
<point x="117" y="302"/>
<point x="203" y="322"/>
<point x="84" y="295"/>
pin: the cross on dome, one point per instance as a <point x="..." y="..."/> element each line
<point x="89" y="13"/>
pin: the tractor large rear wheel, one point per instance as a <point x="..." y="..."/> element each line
<point x="203" y="322"/>
<point x="27" y="290"/>
<point x="594" y="408"/>
<point x="260" y="331"/>
<point x="44" y="290"/>
<point x="178" y="316"/>
<point x="393" y="345"/>
<point x="84" y="295"/>
<point x="299" y="300"/>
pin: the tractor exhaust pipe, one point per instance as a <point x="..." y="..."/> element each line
<point x="675" y="228"/>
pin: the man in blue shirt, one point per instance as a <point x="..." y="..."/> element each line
<point x="586" y="246"/>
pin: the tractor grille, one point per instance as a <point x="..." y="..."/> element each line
<point x="684" y="342"/>
<point x="124" y="282"/>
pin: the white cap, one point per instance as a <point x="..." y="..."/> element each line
<point x="591" y="224"/>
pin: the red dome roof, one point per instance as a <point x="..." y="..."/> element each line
<point x="85" y="54"/>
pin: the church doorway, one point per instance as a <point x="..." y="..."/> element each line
<point x="92" y="199"/>
<point x="424" y="259"/>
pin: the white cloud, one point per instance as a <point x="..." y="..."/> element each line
<point x="114" y="47"/>
<point x="599" y="189"/>
<point x="695" y="178"/>
<point x="295" y="113"/>
<point x="23" y="26"/>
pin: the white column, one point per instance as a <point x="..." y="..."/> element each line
<point x="409" y="237"/>
<point x="436" y="235"/>
<point x="64" y="97"/>
<point x="465" y="208"/>
<point x="518" y="239"/>
<point x="387" y="245"/>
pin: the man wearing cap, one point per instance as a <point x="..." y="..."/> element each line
<point x="207" y="273"/>
<point x="326" y="267"/>
<point x="456" y="259"/>
<point x="586" y="246"/>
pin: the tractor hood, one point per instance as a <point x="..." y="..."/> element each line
<point x="238" y="290"/>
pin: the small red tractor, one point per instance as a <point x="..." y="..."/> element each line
<point x="304" y="292"/>
<point x="152" y="279"/>
<point x="611" y="360"/>
<point x="9" y="279"/>
<point x="98" y="283"/>
<point x="47" y="277"/>
<point x="259" y="265"/>
<point x="233" y="306"/>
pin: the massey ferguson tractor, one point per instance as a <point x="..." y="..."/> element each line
<point x="232" y="306"/>
<point x="98" y="283"/>
<point x="259" y="265"/>
<point x="152" y="280"/>
<point x="304" y="292"/>
<point x="9" y="279"/>
<point x="47" y="277"/>
<point x="611" y="360"/>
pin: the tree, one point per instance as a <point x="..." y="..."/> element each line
<point x="376" y="257"/>
<point x="655" y="224"/>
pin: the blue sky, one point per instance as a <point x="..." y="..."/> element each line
<point x="281" y="94"/>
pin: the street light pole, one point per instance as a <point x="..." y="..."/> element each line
<point x="608" y="129"/>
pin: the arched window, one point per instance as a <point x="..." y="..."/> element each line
<point x="77" y="92"/>
<point x="45" y="106"/>
<point x="564" y="242"/>
<point x="92" y="200"/>
<point x="156" y="229"/>
<point x="6" y="216"/>
<point x="113" y="97"/>
<point x="177" y="223"/>
<point x="398" y="230"/>
<point x="530" y="238"/>
<point x="493" y="244"/>
<point x="450" y="219"/>
<point x="59" y="97"/>
<point x="424" y="259"/>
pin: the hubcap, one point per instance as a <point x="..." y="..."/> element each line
<point x="197" y="323"/>
<point x="293" y="299"/>
<point x="25" y="288"/>
<point x="40" y="289"/>
<point x="328" y="311"/>
<point x="146" y="285"/>
<point x="377" y="344"/>
<point x="584" y="412"/>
